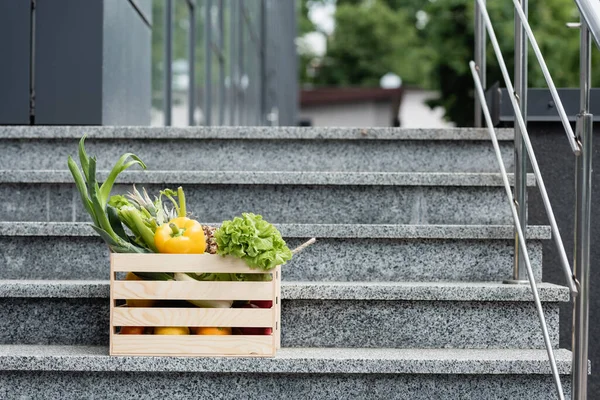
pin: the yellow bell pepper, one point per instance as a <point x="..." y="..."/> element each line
<point x="180" y="236"/>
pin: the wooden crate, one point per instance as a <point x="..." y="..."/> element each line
<point x="191" y="316"/>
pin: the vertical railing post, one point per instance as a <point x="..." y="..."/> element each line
<point x="168" y="76"/>
<point x="480" y="41"/>
<point x="192" y="64"/>
<point x="241" y="65"/>
<point x="583" y="195"/>
<point x="262" y="112"/>
<point x="208" y="62"/>
<point x="520" y="190"/>
<point x="222" y="55"/>
<point x="233" y="63"/>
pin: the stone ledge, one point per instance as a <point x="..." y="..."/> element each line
<point x="394" y="291"/>
<point x="292" y="360"/>
<point x="331" y="231"/>
<point x="292" y="133"/>
<point x="274" y="178"/>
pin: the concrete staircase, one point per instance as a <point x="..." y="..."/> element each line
<point x="400" y="298"/>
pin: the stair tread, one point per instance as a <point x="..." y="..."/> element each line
<point x="230" y="132"/>
<point x="292" y="360"/>
<point x="360" y="231"/>
<point x="392" y="291"/>
<point x="477" y="179"/>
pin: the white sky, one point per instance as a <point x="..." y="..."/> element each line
<point x="322" y="17"/>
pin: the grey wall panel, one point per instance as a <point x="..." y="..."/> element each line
<point x="557" y="164"/>
<point x="68" y="72"/>
<point x="126" y="71"/>
<point x="14" y="61"/>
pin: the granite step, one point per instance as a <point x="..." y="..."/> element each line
<point x="75" y="372"/>
<point x="315" y="314"/>
<point x="37" y="250"/>
<point x="260" y="148"/>
<point x="281" y="197"/>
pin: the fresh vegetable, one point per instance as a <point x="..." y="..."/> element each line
<point x="137" y="303"/>
<point x="94" y="197"/>
<point x="254" y="240"/>
<point x="171" y="330"/>
<point x="262" y="303"/>
<point x="253" y="330"/>
<point x="203" y="303"/>
<point x="211" y="242"/>
<point x="132" y="330"/>
<point x="203" y="330"/>
<point x="141" y="224"/>
<point x="143" y="216"/>
<point x="180" y="236"/>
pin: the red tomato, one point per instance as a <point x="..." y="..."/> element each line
<point x="262" y="303"/>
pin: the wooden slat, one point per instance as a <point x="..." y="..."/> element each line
<point x="125" y="262"/>
<point x="111" y="333"/>
<point x="222" y="317"/>
<point x="174" y="290"/>
<point x="192" y="345"/>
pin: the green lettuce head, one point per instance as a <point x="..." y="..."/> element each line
<point x="254" y="240"/>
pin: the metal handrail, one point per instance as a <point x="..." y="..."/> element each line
<point x="581" y="143"/>
<point x="530" y="276"/>
<point x="559" y="106"/>
<point x="590" y="13"/>
<point x="536" y="170"/>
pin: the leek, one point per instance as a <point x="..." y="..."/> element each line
<point x="95" y="198"/>
<point x="204" y="303"/>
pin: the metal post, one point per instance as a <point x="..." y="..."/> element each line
<point x="168" y="77"/>
<point x="520" y="190"/>
<point x="241" y="65"/>
<point x="192" y="64"/>
<point x="583" y="193"/>
<point x="480" y="40"/>
<point x="262" y="110"/>
<point x="207" y="62"/>
<point x="233" y="63"/>
<point x="221" y="24"/>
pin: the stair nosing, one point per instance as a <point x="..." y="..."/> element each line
<point x="292" y="360"/>
<point x="316" y="178"/>
<point x="291" y="290"/>
<point x="252" y="133"/>
<point x="323" y="231"/>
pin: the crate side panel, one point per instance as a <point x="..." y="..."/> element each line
<point x="197" y="290"/>
<point x="192" y="345"/>
<point x="223" y="317"/>
<point x="126" y="262"/>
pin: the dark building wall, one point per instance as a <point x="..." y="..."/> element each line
<point x="68" y="62"/>
<point x="14" y="61"/>
<point x="557" y="165"/>
<point x="91" y="61"/>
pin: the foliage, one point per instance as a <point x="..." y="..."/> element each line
<point x="373" y="37"/>
<point x="368" y="42"/>
<point x="451" y="27"/>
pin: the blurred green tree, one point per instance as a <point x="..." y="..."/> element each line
<point x="370" y="40"/>
<point x="429" y="44"/>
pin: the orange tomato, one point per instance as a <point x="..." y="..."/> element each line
<point x="132" y="330"/>
<point x="137" y="303"/>
<point x="208" y="330"/>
